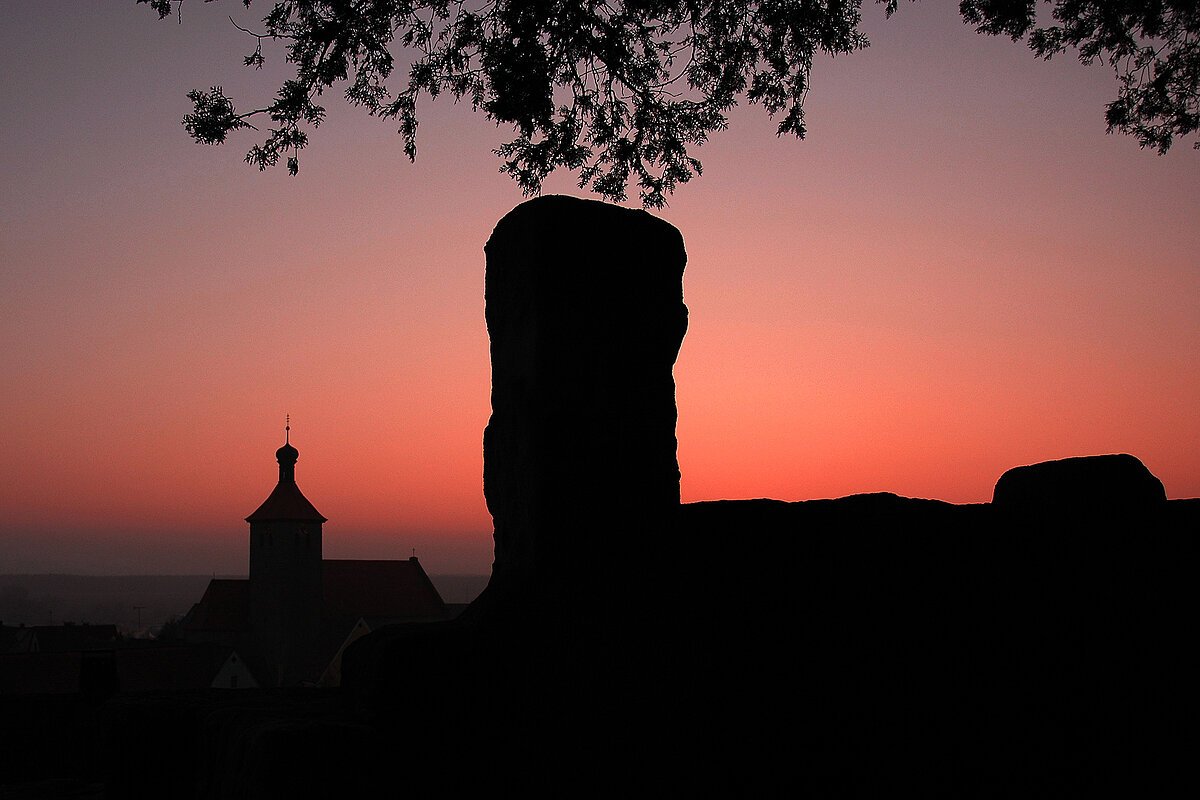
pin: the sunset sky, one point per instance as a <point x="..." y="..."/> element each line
<point x="958" y="272"/>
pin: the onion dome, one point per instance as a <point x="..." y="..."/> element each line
<point x="287" y="453"/>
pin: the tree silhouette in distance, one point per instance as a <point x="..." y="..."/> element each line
<point x="619" y="91"/>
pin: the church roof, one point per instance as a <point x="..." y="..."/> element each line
<point x="286" y="502"/>
<point x="389" y="589"/>
<point x="382" y="590"/>
<point x="225" y="606"/>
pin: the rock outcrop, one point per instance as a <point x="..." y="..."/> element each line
<point x="1092" y="484"/>
<point x="585" y="314"/>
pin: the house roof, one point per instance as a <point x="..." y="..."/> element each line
<point x="225" y="606"/>
<point x="392" y="589"/>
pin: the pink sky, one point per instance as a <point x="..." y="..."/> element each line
<point x="956" y="273"/>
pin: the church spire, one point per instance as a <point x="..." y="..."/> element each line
<point x="286" y="501"/>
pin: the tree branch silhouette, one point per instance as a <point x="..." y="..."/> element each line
<point x="595" y="87"/>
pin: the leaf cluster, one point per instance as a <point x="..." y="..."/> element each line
<point x="622" y="91"/>
<point x="1153" y="46"/>
<point x="617" y="91"/>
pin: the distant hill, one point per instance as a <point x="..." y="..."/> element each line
<point x="100" y="599"/>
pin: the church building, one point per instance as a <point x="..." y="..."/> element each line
<point x="296" y="613"/>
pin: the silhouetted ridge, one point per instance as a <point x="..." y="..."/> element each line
<point x="1095" y="484"/>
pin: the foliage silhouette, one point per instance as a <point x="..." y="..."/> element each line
<point x="619" y="91"/>
<point x="1153" y="46"/>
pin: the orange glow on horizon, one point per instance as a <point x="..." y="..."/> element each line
<point x="957" y="273"/>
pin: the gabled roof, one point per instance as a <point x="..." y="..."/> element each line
<point x="391" y="589"/>
<point x="286" y="503"/>
<point x="225" y="606"/>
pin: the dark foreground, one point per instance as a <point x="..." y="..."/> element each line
<point x="982" y="651"/>
<point x="1038" y="645"/>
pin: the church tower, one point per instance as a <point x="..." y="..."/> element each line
<point x="285" y="572"/>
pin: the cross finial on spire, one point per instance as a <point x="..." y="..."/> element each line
<point x="287" y="428"/>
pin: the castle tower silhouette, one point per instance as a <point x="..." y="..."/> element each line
<point x="286" y="572"/>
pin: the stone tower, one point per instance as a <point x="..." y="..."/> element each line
<point x="285" y="573"/>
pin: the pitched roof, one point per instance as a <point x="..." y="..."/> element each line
<point x="225" y="606"/>
<point x="391" y="589"/>
<point x="286" y="502"/>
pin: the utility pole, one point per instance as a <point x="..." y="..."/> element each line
<point x="138" y="609"/>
